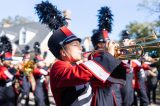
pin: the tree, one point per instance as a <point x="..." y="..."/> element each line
<point x="138" y="30"/>
<point x="152" y="5"/>
<point x="10" y="21"/>
<point x="21" y="20"/>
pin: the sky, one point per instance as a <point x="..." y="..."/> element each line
<point x="84" y="13"/>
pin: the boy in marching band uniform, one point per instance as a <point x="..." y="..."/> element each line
<point x="109" y="94"/>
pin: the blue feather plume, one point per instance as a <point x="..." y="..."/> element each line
<point x="105" y="19"/>
<point x="50" y="15"/>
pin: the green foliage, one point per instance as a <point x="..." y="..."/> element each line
<point x="138" y="30"/>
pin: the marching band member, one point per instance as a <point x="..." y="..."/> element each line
<point x="139" y="83"/>
<point x="68" y="79"/>
<point x="64" y="72"/>
<point x="40" y="72"/>
<point x="7" y="74"/>
<point x="24" y="80"/>
<point x="151" y="73"/>
<point x="110" y="94"/>
<point x="127" y="89"/>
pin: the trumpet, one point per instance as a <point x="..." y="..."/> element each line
<point x="134" y="51"/>
<point x="151" y="37"/>
<point x="138" y="50"/>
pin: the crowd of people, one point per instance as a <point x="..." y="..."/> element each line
<point x="77" y="80"/>
<point x="77" y="77"/>
<point x="20" y="81"/>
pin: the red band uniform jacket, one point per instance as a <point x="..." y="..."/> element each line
<point x="70" y="84"/>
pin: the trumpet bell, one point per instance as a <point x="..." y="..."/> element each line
<point x="28" y="67"/>
<point x="147" y="38"/>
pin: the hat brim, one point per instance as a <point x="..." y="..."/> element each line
<point x="71" y="40"/>
<point x="8" y="59"/>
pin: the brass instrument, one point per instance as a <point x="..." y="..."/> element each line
<point x="146" y="38"/>
<point x="137" y="50"/>
<point x="129" y="52"/>
<point x="28" y="67"/>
